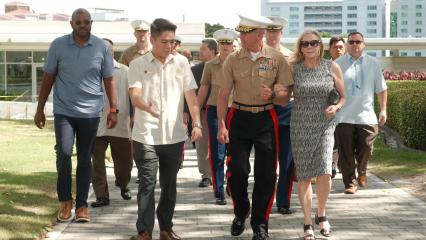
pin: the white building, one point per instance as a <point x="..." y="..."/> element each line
<point x="24" y="44"/>
<point x="332" y="16"/>
<point x="407" y="18"/>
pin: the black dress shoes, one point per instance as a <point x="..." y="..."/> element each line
<point x="260" y="236"/>
<point x="126" y="194"/>
<point x="205" y="182"/>
<point x="100" y="202"/>
<point x="220" y="201"/>
<point x="284" y="210"/>
<point x="238" y="225"/>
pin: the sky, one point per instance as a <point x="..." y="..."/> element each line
<point x="190" y="11"/>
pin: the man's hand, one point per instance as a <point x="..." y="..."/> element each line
<point x="267" y="92"/>
<point x="111" y="120"/>
<point x="196" y="134"/>
<point x="152" y="110"/>
<point x="223" y="135"/>
<point x="382" y="118"/>
<point x="40" y="119"/>
<point x="185" y="118"/>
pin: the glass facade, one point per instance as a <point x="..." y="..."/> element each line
<point x="16" y="74"/>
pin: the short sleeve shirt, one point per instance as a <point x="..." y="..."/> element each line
<point x="362" y="79"/>
<point x="212" y="76"/>
<point x="79" y="71"/>
<point x="164" y="85"/>
<point x="130" y="54"/>
<point x="245" y="77"/>
<point x="122" y="128"/>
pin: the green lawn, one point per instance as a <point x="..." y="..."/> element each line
<point x="28" y="199"/>
<point x="387" y="160"/>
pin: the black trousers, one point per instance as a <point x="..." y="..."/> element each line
<point x="150" y="159"/>
<point x="246" y="130"/>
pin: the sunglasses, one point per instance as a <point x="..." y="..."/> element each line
<point x="313" y="43"/>
<point x="85" y="22"/>
<point x="353" y="42"/>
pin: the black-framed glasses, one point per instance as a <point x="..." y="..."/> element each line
<point x="313" y="43"/>
<point x="85" y="22"/>
<point x="353" y="42"/>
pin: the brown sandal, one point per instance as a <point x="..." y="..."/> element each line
<point x="323" y="231"/>
<point x="308" y="231"/>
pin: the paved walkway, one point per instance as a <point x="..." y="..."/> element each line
<point x="381" y="211"/>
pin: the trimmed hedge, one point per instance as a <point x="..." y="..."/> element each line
<point x="406" y="110"/>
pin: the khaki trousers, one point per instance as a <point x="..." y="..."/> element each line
<point x="202" y="148"/>
<point x="122" y="158"/>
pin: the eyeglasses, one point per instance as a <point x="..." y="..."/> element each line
<point x="313" y="43"/>
<point x="85" y="22"/>
<point x="353" y="42"/>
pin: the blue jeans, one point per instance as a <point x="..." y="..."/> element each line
<point x="84" y="130"/>
<point x="217" y="153"/>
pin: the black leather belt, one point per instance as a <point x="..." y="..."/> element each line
<point x="252" y="108"/>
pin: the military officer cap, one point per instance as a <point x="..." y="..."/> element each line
<point x="178" y="39"/>
<point x="278" y="23"/>
<point x="225" y="35"/>
<point x="248" y="24"/>
<point x="140" y="25"/>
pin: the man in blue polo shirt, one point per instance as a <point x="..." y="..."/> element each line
<point x="76" y="64"/>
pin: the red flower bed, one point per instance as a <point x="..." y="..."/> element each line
<point x="404" y="75"/>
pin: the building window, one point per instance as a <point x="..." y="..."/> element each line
<point x="294" y="16"/>
<point x="418" y="30"/>
<point x="19" y="82"/>
<point x="404" y="14"/>
<point x="373" y="54"/>
<point x="403" y="54"/>
<point x="418" y="6"/>
<point x="19" y="57"/>
<point x="2" y="79"/>
<point x="39" y="57"/>
<point x="404" y="7"/>
<point x="275" y="9"/>
<point x="418" y="22"/>
<point x="294" y="32"/>
<point x="372" y="23"/>
<point x="294" y="24"/>
<point x="404" y="22"/>
<point x="418" y="54"/>
<point x="371" y="7"/>
<point x="352" y="7"/>
<point x="294" y="9"/>
<point x="351" y="30"/>
<point x="1" y="56"/>
<point x="371" y="15"/>
<point x="351" y="23"/>
<point x="418" y="14"/>
<point x="352" y="15"/>
<point x="371" y="31"/>
<point x="403" y="30"/>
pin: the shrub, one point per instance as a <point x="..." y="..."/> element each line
<point x="407" y="111"/>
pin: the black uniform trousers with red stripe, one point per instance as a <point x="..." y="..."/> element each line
<point x="247" y="129"/>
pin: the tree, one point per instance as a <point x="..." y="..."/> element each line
<point x="325" y="34"/>
<point x="210" y="29"/>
